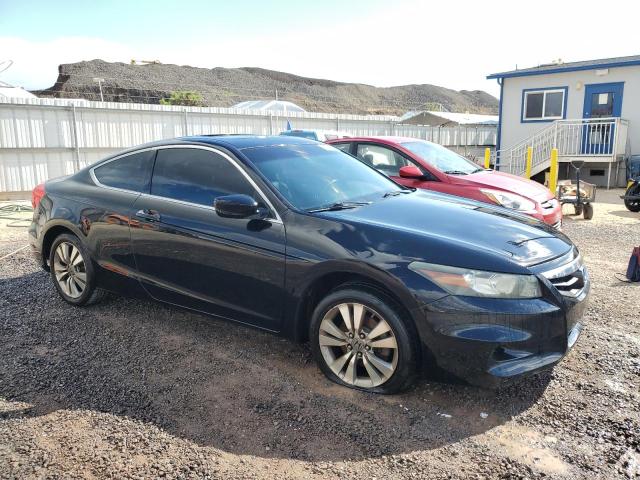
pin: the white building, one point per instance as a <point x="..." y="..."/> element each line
<point x="588" y="110"/>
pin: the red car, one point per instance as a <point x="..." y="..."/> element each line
<point x="418" y="163"/>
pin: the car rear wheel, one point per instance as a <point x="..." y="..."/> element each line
<point x="359" y="340"/>
<point x="72" y="272"/>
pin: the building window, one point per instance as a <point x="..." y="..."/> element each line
<point x="544" y="104"/>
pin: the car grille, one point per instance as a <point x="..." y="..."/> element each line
<point x="549" y="204"/>
<point x="570" y="278"/>
<point x="570" y="285"/>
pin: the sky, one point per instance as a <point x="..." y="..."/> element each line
<point x="451" y="43"/>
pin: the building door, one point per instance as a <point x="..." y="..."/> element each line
<point x="602" y="103"/>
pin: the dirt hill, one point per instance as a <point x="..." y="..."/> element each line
<point x="227" y="86"/>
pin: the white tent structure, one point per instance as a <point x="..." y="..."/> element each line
<point x="9" y="91"/>
<point x="279" y="106"/>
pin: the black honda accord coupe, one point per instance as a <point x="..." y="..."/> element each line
<point x="296" y="237"/>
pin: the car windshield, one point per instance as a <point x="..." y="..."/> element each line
<point x="318" y="176"/>
<point x="442" y="158"/>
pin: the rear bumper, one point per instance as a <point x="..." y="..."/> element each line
<point x="35" y="243"/>
<point x="491" y="343"/>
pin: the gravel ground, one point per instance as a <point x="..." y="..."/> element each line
<point x="129" y="389"/>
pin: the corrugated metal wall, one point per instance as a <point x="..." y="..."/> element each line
<point x="46" y="138"/>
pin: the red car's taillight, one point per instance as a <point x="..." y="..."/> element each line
<point x="36" y="195"/>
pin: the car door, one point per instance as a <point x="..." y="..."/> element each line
<point x="188" y="255"/>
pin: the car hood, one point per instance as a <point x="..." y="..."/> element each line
<point x="505" y="181"/>
<point x="457" y="222"/>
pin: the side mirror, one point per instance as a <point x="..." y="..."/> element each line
<point x="411" y="171"/>
<point x="236" y="206"/>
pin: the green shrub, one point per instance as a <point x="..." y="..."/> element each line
<point x="184" y="97"/>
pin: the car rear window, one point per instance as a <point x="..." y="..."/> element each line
<point x="132" y="172"/>
<point x="345" y="147"/>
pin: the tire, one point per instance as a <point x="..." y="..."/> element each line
<point x="384" y="363"/>
<point x="633" y="205"/>
<point x="588" y="211"/>
<point x="72" y="271"/>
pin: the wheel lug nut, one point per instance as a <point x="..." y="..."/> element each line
<point x="359" y="354"/>
<point x="349" y="347"/>
<point x="362" y="335"/>
<point x="367" y="347"/>
<point x="350" y="335"/>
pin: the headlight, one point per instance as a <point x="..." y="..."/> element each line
<point x="510" y="200"/>
<point x="479" y="283"/>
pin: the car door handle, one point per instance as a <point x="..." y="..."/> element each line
<point x="147" y="214"/>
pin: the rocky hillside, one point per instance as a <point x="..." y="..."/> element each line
<point x="227" y="86"/>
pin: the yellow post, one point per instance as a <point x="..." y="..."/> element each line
<point x="553" y="171"/>
<point x="527" y="172"/>
<point x="487" y="158"/>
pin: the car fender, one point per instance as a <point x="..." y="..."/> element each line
<point x="304" y="278"/>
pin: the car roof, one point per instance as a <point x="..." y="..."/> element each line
<point x="388" y="139"/>
<point x="248" y="141"/>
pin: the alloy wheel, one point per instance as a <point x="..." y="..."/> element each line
<point x="358" y="345"/>
<point x="69" y="269"/>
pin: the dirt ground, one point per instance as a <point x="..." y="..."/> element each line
<point x="130" y="389"/>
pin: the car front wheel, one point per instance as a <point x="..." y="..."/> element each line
<point x="360" y="340"/>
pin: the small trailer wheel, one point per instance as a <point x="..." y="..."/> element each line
<point x="588" y="211"/>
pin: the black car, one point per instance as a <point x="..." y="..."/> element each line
<point x="296" y="237"/>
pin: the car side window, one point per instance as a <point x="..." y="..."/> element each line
<point x="383" y="159"/>
<point x="345" y="147"/>
<point x="132" y="172"/>
<point x="197" y="176"/>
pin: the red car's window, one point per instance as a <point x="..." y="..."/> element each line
<point x="383" y="159"/>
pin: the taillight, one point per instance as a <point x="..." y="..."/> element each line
<point x="36" y="195"/>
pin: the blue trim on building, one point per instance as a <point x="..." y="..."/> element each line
<point x="499" y="132"/>
<point x="559" y="69"/>
<point x="544" y="120"/>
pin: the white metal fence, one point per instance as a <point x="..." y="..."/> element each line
<point x="46" y="138"/>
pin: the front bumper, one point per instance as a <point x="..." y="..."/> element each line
<point x="550" y="212"/>
<point x="492" y="342"/>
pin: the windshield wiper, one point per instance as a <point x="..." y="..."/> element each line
<point x="338" y="206"/>
<point x="456" y="172"/>
<point x="397" y="192"/>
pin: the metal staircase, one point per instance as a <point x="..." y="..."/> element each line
<point x="596" y="140"/>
